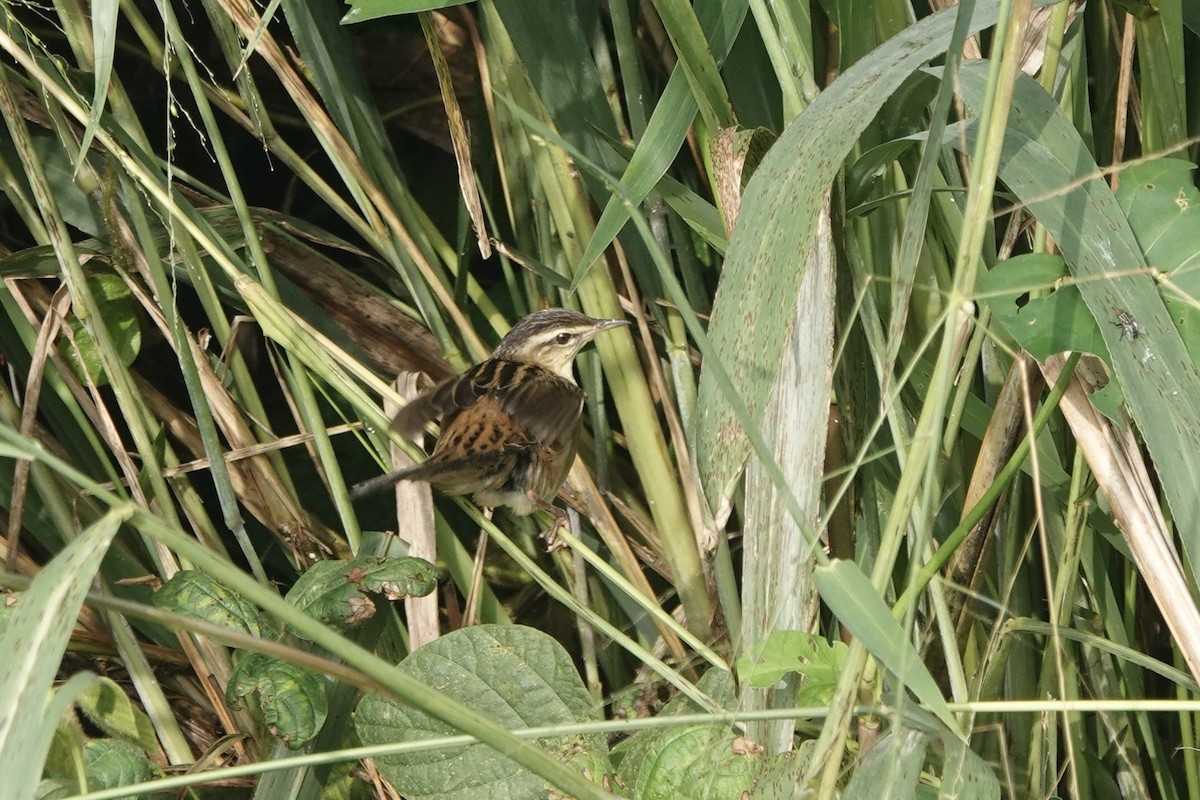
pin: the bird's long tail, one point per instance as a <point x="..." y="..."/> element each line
<point x="375" y="485"/>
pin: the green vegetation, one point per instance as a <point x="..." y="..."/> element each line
<point x="890" y="489"/>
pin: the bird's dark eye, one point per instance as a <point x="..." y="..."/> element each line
<point x="563" y="338"/>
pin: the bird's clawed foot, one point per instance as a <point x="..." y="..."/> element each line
<point x="561" y="522"/>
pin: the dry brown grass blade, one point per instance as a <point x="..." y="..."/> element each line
<point x="247" y="19"/>
<point x="255" y="479"/>
<point x="591" y="503"/>
<point x="47" y="335"/>
<point x="1004" y="430"/>
<point x="35" y="301"/>
<point x="433" y="25"/>
<point x="394" y="341"/>
<point x="1112" y="454"/>
<point x="415" y="525"/>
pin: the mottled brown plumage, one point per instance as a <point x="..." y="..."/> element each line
<point x="508" y="424"/>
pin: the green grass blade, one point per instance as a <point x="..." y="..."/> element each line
<point x="33" y="644"/>
<point x="665" y="133"/>
<point x="759" y="284"/>
<point x="1160" y="45"/>
<point x="104" y="42"/>
<point x="848" y="592"/>
<point x="1042" y="155"/>
<point x="364" y="10"/>
<point x="696" y="57"/>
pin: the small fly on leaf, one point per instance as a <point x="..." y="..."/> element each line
<point x="1130" y="327"/>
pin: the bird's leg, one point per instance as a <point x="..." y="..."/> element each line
<point x="472" y="605"/>
<point x="561" y="521"/>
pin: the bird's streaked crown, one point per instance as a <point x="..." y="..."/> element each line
<point x="551" y="338"/>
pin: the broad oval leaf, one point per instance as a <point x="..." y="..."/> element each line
<point x="696" y="762"/>
<point x="335" y="592"/>
<point x="518" y="676"/>
<point x="119" y="314"/>
<point x="292" y="699"/>
<point x="1055" y="322"/>
<point x="195" y="594"/>
<point x="111" y="710"/>
<point x="1163" y="207"/>
<point x="112" y="763"/>
<point x="781" y="653"/>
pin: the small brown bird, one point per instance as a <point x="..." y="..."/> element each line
<point x="508" y="424"/>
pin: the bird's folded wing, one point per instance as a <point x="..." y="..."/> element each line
<point x="548" y="407"/>
<point x="451" y="395"/>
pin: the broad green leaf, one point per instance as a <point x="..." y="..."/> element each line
<point x="1055" y="322"/>
<point x="112" y="763"/>
<point x="291" y="698"/>
<point x="196" y="594"/>
<point x="111" y="710"/>
<point x="1047" y="166"/>
<point x="117" y="309"/>
<point x="892" y="767"/>
<point x="1163" y="207"/>
<point x="53" y="790"/>
<point x="753" y="309"/>
<point x="335" y="592"/>
<point x="77" y="207"/>
<point x="693" y="761"/>
<point x="33" y="644"/>
<point x="519" y="677"/>
<point x="818" y="660"/>
<point x="66" y="746"/>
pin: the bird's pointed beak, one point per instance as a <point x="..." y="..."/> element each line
<point x="605" y="324"/>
